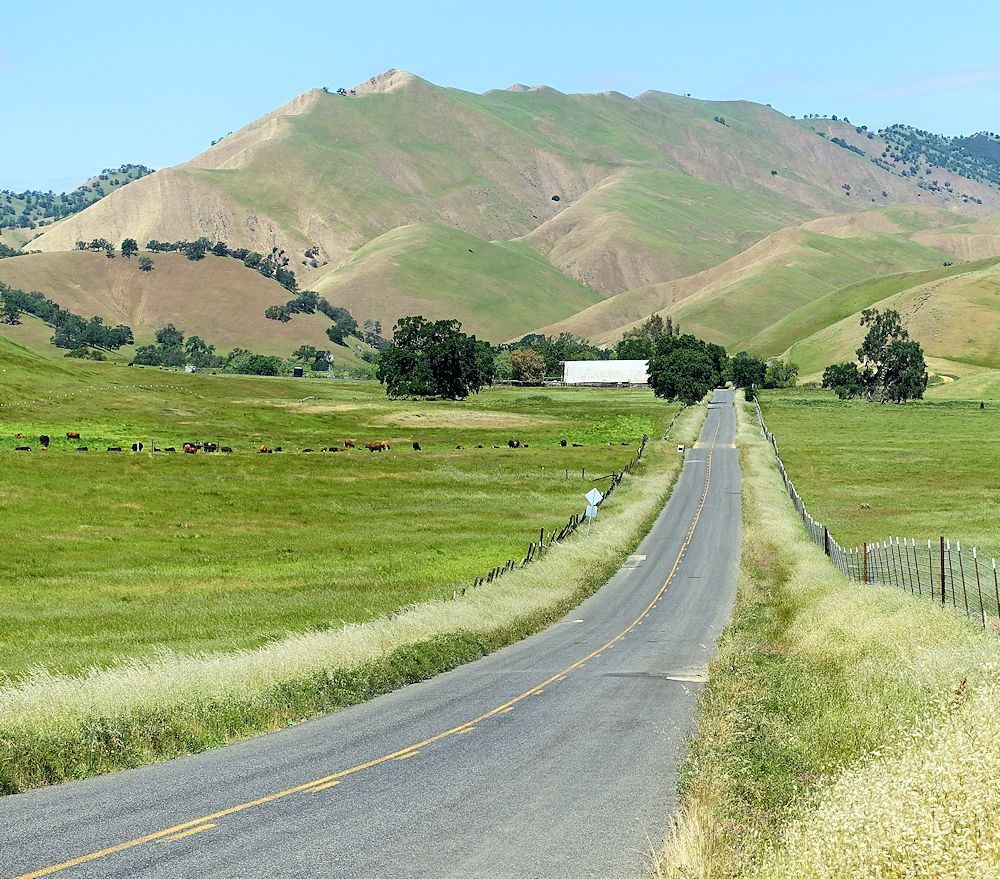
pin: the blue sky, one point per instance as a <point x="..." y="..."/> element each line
<point x="88" y="86"/>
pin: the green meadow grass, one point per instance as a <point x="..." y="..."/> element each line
<point x="868" y="472"/>
<point x="119" y="555"/>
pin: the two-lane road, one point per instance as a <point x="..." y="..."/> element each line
<point x="554" y="757"/>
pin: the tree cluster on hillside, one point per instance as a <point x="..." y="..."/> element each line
<point x="639" y="343"/>
<point x="890" y="367"/>
<point x="685" y="368"/>
<point x="976" y="157"/>
<point x="71" y="330"/>
<point x="313" y="358"/>
<point x="32" y="208"/>
<point x="6" y="251"/>
<point x="172" y="349"/>
<point x="434" y="359"/>
<point x="270" y="265"/>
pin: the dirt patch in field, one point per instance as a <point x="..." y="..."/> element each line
<point x="471" y="418"/>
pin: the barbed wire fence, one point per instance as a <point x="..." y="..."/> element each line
<point x="546" y="540"/>
<point x="942" y="571"/>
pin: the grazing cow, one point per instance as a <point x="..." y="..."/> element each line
<point x="22" y="449"/>
<point x="514" y="444"/>
<point x="21" y="436"/>
<point x="459" y="446"/>
<point x="73" y="434"/>
<point x="479" y="446"/>
<point x="170" y="449"/>
<point x="494" y="447"/>
<point x="348" y="444"/>
<point x="307" y="450"/>
<point x="416" y="447"/>
<point x="43" y="441"/>
<point x="380" y="446"/>
<point x="278" y="449"/>
<point x="114" y="448"/>
<point x="211" y="447"/>
<point x="137" y="447"/>
<point x="330" y="449"/>
<point x="264" y="450"/>
<point x="190" y="448"/>
<point x="563" y="443"/>
<point x="577" y="445"/>
<point x="82" y="449"/>
<point x="226" y="449"/>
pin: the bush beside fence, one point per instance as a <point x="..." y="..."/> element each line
<point x="943" y="571"/>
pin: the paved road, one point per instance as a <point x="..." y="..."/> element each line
<point x="555" y="757"/>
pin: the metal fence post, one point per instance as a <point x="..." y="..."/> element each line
<point x="864" y="577"/>
<point x="942" y="572"/>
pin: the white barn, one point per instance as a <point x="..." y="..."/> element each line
<point x="606" y="372"/>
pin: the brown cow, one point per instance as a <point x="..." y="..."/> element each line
<point x="191" y="448"/>
<point x="348" y="444"/>
<point x="73" y="434"/>
<point x="21" y="436"/>
<point x="264" y="450"/>
<point x="459" y="446"/>
<point x="380" y="446"/>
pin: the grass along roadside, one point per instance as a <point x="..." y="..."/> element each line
<point x="59" y="727"/>
<point x="845" y="731"/>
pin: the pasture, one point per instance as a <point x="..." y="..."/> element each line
<point x="119" y="555"/>
<point x="869" y="472"/>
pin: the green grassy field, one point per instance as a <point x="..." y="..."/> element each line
<point x="923" y="470"/>
<point x="121" y="554"/>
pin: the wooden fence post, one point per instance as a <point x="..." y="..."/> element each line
<point x="864" y="576"/>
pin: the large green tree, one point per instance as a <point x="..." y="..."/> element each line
<point x="891" y="366"/>
<point x="686" y="368"/>
<point x="434" y="359"/>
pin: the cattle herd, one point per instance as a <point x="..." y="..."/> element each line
<point x="192" y="448"/>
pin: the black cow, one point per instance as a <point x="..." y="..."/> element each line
<point x="416" y="447"/>
<point x="114" y="448"/>
<point x="22" y="449"/>
<point x="43" y="441"/>
<point x="137" y="447"/>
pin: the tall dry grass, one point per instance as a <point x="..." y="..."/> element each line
<point x="58" y="727"/>
<point x="846" y="731"/>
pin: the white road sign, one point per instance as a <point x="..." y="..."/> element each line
<point x="591" y="511"/>
<point x="594" y="497"/>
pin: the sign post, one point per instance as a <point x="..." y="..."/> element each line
<point x="594" y="497"/>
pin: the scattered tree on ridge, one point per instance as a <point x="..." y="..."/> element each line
<point x="129" y="248"/>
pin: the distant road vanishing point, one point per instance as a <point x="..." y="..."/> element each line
<point x="554" y="757"/>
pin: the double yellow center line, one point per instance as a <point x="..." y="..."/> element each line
<point x="207" y="822"/>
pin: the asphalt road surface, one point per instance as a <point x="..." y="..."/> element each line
<point x="554" y="757"/>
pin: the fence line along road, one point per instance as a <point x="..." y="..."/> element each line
<point x="535" y="549"/>
<point x="942" y="571"/>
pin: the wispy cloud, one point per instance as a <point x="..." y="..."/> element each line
<point x="935" y="84"/>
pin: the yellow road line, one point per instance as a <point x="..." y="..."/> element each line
<point x="327" y="786"/>
<point x="187" y="833"/>
<point x="196" y="825"/>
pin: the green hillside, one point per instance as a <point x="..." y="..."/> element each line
<point x="497" y="289"/>
<point x="955" y="317"/>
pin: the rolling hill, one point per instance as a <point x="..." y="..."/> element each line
<point x="216" y="298"/>
<point x="526" y="208"/>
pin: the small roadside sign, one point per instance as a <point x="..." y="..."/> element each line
<point x="594" y="497"/>
<point x="591" y="511"/>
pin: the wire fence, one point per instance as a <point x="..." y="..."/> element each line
<point x="943" y="571"/>
<point x="545" y="540"/>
